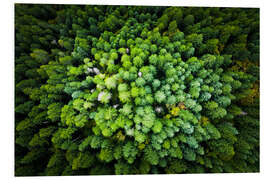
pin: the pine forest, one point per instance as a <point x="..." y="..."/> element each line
<point x="110" y="90"/>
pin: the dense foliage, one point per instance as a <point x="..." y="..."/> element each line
<point x="136" y="90"/>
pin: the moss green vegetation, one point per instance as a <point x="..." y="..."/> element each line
<point x="136" y="90"/>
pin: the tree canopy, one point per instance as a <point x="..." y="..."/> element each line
<point x="135" y="90"/>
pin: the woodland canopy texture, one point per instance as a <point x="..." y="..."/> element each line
<point x="104" y="90"/>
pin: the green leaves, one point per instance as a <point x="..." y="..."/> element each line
<point x="86" y="142"/>
<point x="151" y="156"/>
<point x="122" y="87"/>
<point x="124" y="96"/>
<point x="80" y="120"/>
<point x="140" y="82"/>
<point x="127" y="109"/>
<point x="171" y="100"/>
<point x="106" y="155"/>
<point x="160" y="96"/>
<point x="212" y="131"/>
<point x="211" y="105"/>
<point x="130" y="152"/>
<point x="134" y="92"/>
<point x="139" y="137"/>
<point x="104" y="97"/>
<point x="111" y="82"/>
<point x="84" y="160"/>
<point x="120" y="90"/>
<point x="157" y="126"/>
<point x="65" y="60"/>
<point x="137" y="61"/>
<point x="40" y="55"/>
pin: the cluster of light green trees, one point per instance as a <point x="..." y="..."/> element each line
<point x="136" y="90"/>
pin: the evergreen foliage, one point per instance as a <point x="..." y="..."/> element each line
<point x="136" y="90"/>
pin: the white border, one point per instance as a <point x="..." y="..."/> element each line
<point x="207" y="3"/>
<point x="7" y="84"/>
